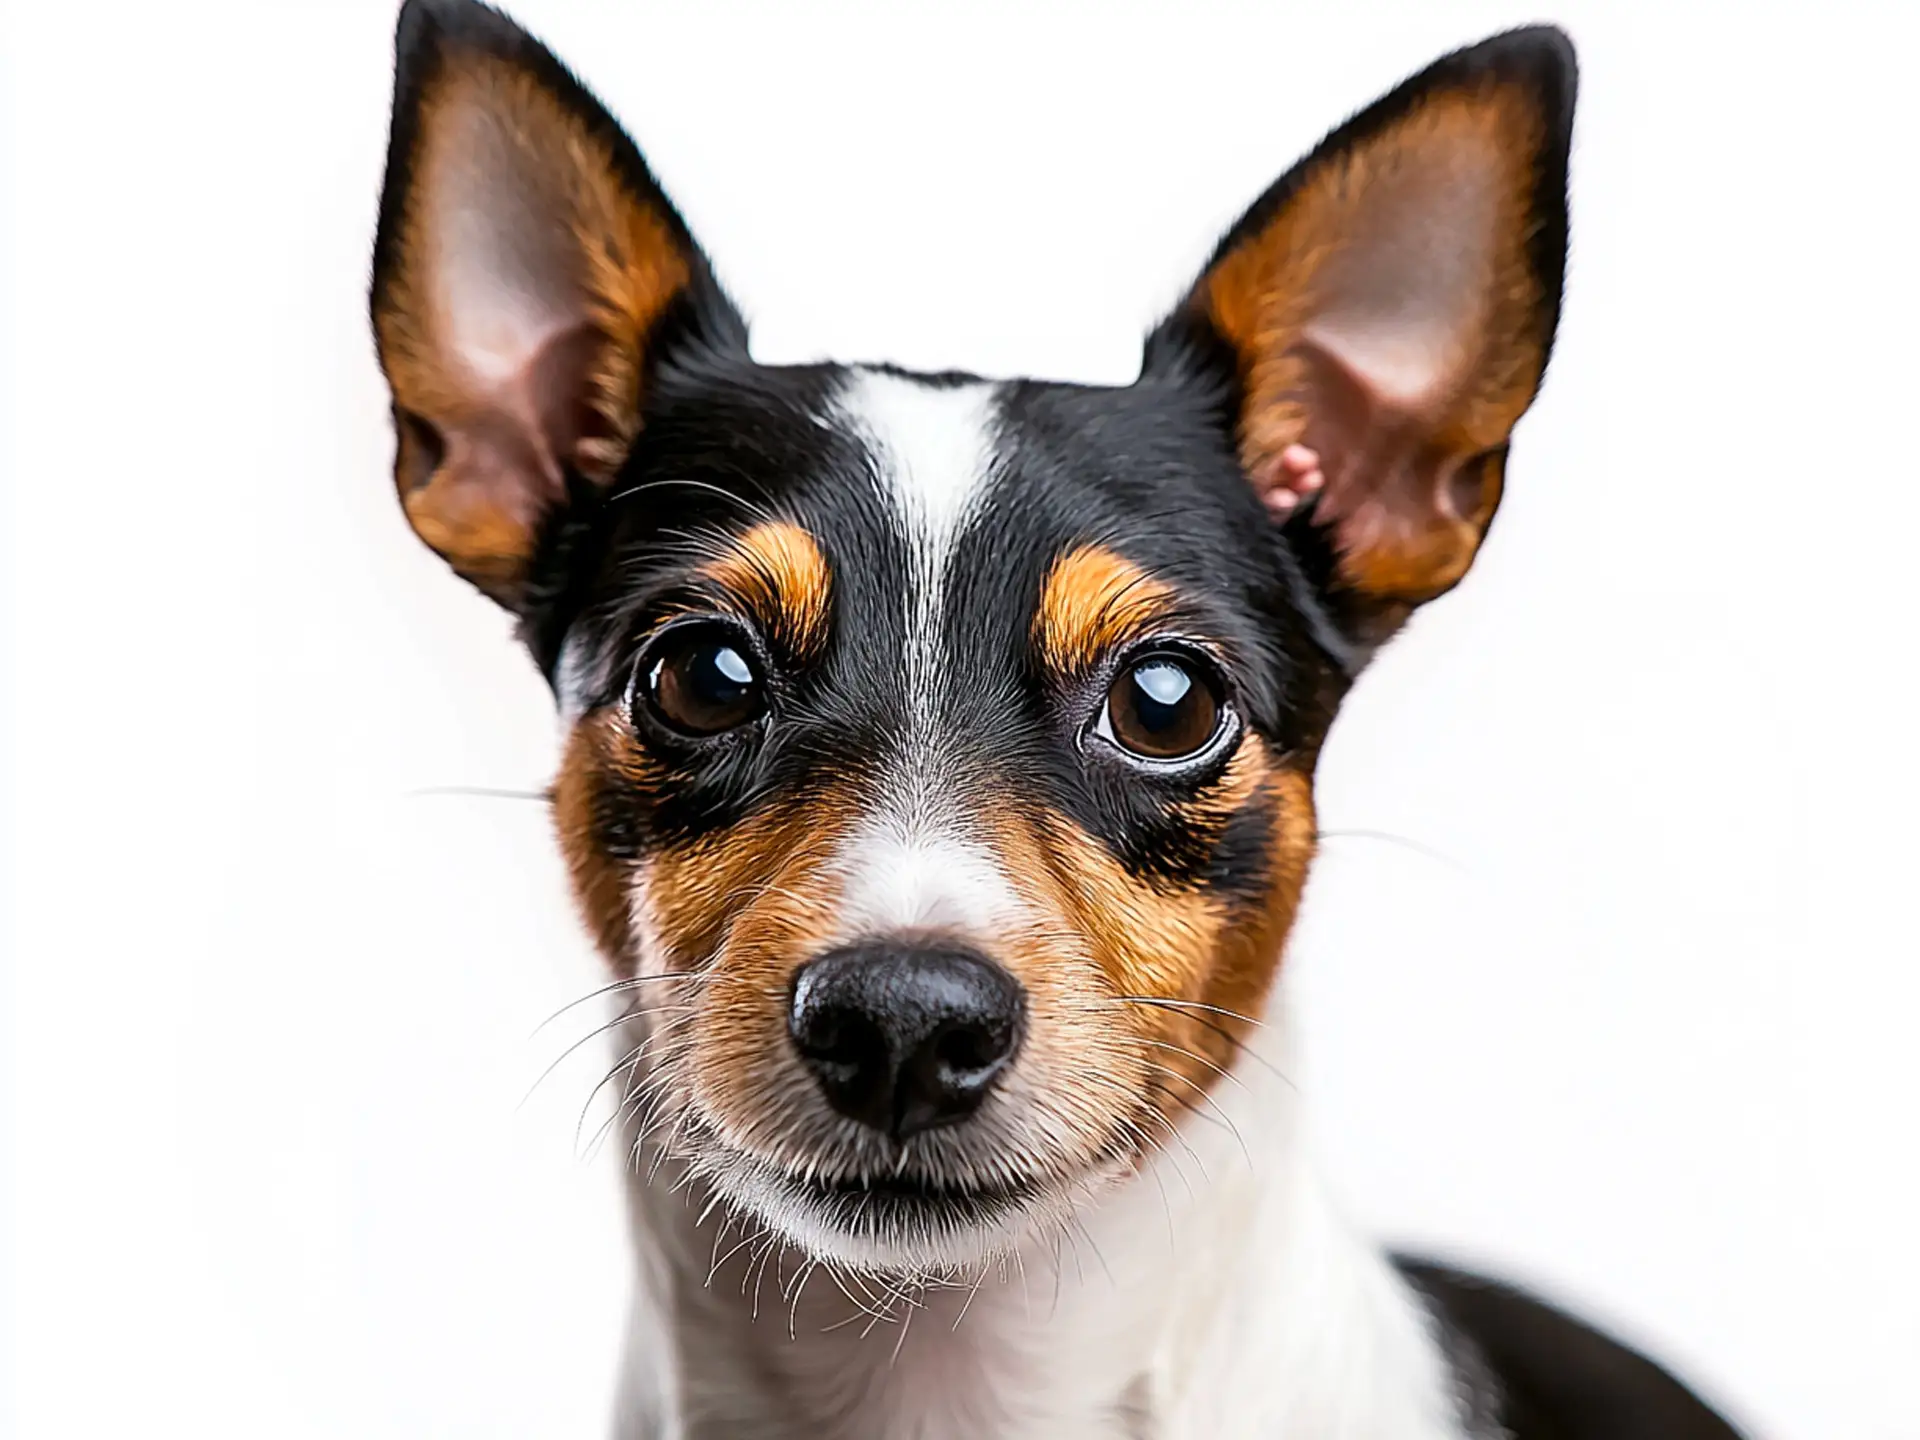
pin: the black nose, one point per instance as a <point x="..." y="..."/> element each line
<point x="906" y="1035"/>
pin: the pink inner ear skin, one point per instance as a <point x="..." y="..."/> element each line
<point x="504" y="452"/>
<point x="524" y="256"/>
<point x="1295" y="476"/>
<point x="1404" y="507"/>
<point x="1388" y="321"/>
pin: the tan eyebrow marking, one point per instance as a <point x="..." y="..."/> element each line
<point x="1093" y="600"/>
<point x="780" y="573"/>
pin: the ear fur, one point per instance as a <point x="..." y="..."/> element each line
<point x="1388" y="308"/>
<point x="526" y="273"/>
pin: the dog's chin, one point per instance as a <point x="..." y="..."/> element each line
<point x="901" y="1223"/>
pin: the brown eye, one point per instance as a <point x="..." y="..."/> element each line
<point x="699" y="680"/>
<point x="1161" y="707"/>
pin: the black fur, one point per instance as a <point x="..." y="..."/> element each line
<point x="1146" y="470"/>
<point x="429" y="35"/>
<point x="1149" y="470"/>
<point x="1557" y="1379"/>
<point x="1540" y="58"/>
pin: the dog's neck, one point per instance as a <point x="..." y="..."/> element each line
<point x="1215" y="1294"/>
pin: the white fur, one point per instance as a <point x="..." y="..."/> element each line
<point x="1216" y="1295"/>
<point x="1213" y="1295"/>
<point x="904" y="873"/>
<point x="572" y="676"/>
<point x="933" y="448"/>
<point x="914" y="863"/>
<point x="934" y="444"/>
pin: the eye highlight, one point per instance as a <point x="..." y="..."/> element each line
<point x="701" y="679"/>
<point x="1162" y="707"/>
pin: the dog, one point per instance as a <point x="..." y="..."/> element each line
<point x="938" y="780"/>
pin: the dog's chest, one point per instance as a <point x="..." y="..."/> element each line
<point x="1143" y="1344"/>
<point x="972" y="1363"/>
<point x="1240" y="1308"/>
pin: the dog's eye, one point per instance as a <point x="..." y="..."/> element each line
<point x="701" y="680"/>
<point x="1161" y="707"/>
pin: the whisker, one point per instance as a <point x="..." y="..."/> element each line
<point x="967" y="1304"/>
<point x="734" y="1250"/>
<point x="868" y="1307"/>
<point x="561" y="1058"/>
<point x="1224" y="1119"/>
<point x="632" y="982"/>
<point x="479" y="792"/>
<point x="767" y="1254"/>
<point x="1170" y="1004"/>
<point x="753" y="507"/>
<point x="799" y="1289"/>
<point x="906" y="1324"/>
<point x="1387" y="837"/>
<point x="630" y="1062"/>
<point x="1225" y="1034"/>
<point x="666" y="1147"/>
<point x="1153" y="1146"/>
<point x="1173" y="1130"/>
<point x="1192" y="1055"/>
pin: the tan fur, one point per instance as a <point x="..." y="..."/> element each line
<point x="751" y="906"/>
<point x="1264" y="296"/>
<point x="781" y="578"/>
<point x="1161" y="942"/>
<point x="747" y="905"/>
<point x="600" y="882"/>
<point x="615" y="251"/>
<point x="1092" y="602"/>
<point x="754" y="903"/>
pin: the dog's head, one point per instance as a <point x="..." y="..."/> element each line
<point x="947" y="745"/>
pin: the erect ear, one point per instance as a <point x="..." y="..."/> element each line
<point x="527" y="273"/>
<point x="1389" y="306"/>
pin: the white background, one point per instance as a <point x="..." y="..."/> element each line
<point x="1634" y="1022"/>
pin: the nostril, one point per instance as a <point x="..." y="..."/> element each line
<point x="903" y="1037"/>
<point x="965" y="1053"/>
<point x="840" y="1043"/>
<point x="849" y="1054"/>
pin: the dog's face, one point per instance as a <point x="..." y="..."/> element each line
<point x="941" y="750"/>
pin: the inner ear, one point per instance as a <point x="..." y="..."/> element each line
<point x="525" y="262"/>
<point x="1389" y="306"/>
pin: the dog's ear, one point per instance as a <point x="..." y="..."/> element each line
<point x="1387" y="308"/>
<point x="526" y="276"/>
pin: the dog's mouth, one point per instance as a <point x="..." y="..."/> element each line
<point x="904" y="1217"/>
<point x="876" y="1199"/>
<point x="911" y="1221"/>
